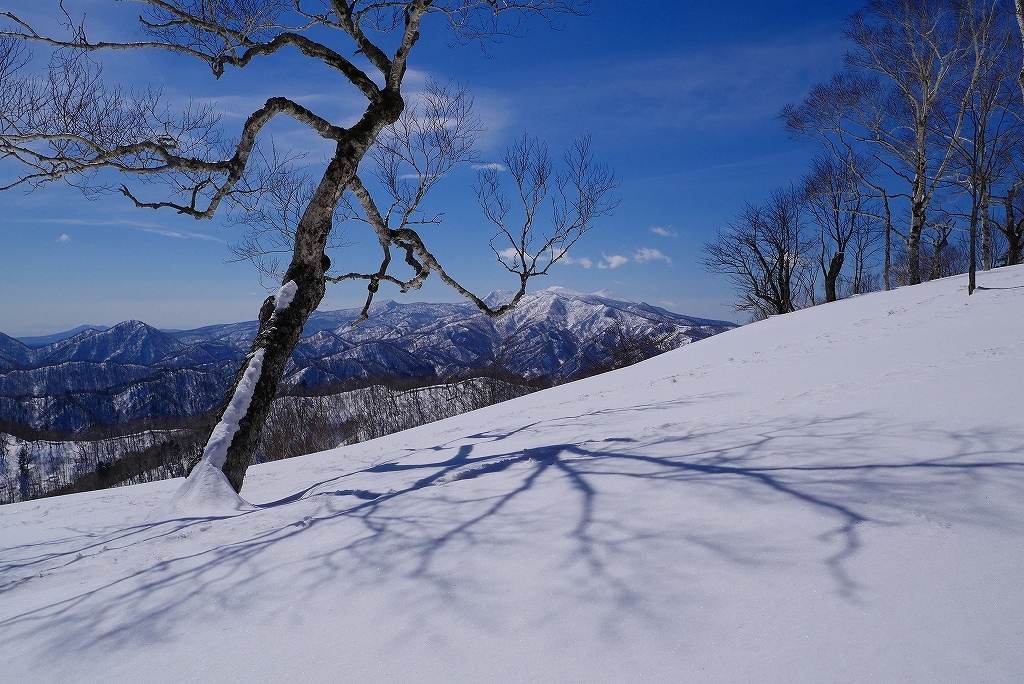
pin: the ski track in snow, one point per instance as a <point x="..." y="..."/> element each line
<point x="835" y="495"/>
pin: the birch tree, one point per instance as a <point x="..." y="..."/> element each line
<point x="990" y="133"/>
<point x="906" y="64"/>
<point x="69" y="125"/>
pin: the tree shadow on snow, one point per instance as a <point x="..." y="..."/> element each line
<point x="413" y="518"/>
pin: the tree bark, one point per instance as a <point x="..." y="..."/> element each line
<point x="918" y="207"/>
<point x="914" y="249"/>
<point x="887" y="269"/>
<point x="973" y="270"/>
<point x="1013" y="234"/>
<point x="832" y="275"/>
<point x="1019" y="7"/>
<point x="986" y="232"/>
<point x="280" y="329"/>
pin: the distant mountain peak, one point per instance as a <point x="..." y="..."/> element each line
<point x="498" y="298"/>
<point x="42" y="340"/>
<point x="608" y="294"/>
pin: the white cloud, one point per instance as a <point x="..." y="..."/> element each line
<point x="185" y="235"/>
<point x="582" y="261"/>
<point x="509" y="253"/>
<point x="613" y="261"/>
<point x="664" y="232"/>
<point x="84" y="222"/>
<point x="145" y="227"/>
<point x="645" y="254"/>
<point x="489" y="166"/>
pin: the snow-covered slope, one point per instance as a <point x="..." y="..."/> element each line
<point x="835" y="495"/>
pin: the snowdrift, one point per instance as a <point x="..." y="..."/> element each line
<point x="835" y="495"/>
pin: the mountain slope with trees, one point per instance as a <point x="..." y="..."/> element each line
<point x="134" y="371"/>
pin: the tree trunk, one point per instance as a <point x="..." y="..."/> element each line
<point x="279" y="333"/>
<point x="887" y="270"/>
<point x="973" y="270"/>
<point x="1013" y="234"/>
<point x="832" y="275"/>
<point x="280" y="326"/>
<point x="936" y="270"/>
<point x="986" y="232"/>
<point x="1019" y="7"/>
<point x="917" y="220"/>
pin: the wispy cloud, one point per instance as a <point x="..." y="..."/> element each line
<point x="489" y="166"/>
<point x="582" y="261"/>
<point x="613" y="261"/>
<point x="738" y="85"/>
<point x="664" y="232"/>
<point x="181" y="235"/>
<point x="645" y="254"/>
<point x="145" y="227"/>
<point x="90" y="222"/>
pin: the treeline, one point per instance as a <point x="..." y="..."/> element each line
<point x="306" y="420"/>
<point x="921" y="170"/>
<point x="31" y="469"/>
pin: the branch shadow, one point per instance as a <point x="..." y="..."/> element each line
<point x="410" y="519"/>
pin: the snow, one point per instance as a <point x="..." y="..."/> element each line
<point x="835" y="495"/>
<point x="285" y="295"/>
<point x="206" y="491"/>
<point x="216" y="450"/>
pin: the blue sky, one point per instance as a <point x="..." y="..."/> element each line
<point x="680" y="98"/>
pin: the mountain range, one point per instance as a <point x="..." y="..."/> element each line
<point x="132" y="370"/>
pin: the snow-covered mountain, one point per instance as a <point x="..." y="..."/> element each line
<point x="102" y="377"/>
<point x="133" y="370"/>
<point x="834" y="495"/>
<point x="43" y="340"/>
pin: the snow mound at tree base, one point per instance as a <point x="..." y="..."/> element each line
<point x="205" y="493"/>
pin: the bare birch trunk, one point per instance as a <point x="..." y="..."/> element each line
<point x="281" y="328"/>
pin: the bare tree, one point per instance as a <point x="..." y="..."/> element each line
<point x="908" y="59"/>
<point x="1019" y="7"/>
<point x="69" y="125"/>
<point x="991" y="131"/>
<point x="864" y="248"/>
<point x="436" y="131"/>
<point x="574" y="197"/>
<point x="1012" y="227"/>
<point x="834" y="199"/>
<point x="764" y="253"/>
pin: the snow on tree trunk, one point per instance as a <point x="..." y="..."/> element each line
<point x="209" y="487"/>
<point x="207" y="491"/>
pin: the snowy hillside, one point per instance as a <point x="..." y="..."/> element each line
<point x="835" y="495"/>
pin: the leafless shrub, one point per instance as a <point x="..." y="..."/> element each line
<point x="302" y="425"/>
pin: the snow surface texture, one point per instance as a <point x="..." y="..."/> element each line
<point x="835" y="495"/>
